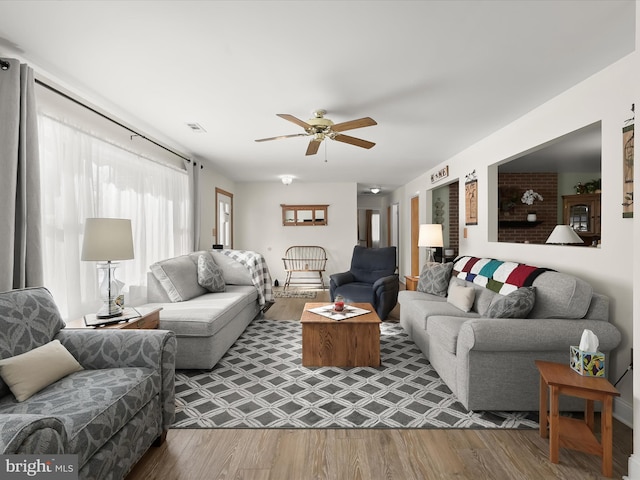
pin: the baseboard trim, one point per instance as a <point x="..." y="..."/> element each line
<point x="634" y="468"/>
<point x="623" y="412"/>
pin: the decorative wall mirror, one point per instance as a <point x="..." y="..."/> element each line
<point x="304" y="215"/>
<point x="565" y="173"/>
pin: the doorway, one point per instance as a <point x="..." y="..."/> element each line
<point x="224" y="218"/>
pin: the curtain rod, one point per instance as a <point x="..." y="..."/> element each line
<point x="106" y="117"/>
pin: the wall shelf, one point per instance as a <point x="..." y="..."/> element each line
<point x="518" y="223"/>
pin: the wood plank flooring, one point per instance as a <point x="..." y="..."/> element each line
<point x="367" y="454"/>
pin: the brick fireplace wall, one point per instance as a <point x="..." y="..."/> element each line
<point x="512" y="213"/>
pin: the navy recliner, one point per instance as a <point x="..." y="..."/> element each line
<point x="371" y="279"/>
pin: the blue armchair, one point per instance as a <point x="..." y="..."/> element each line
<point x="371" y="279"/>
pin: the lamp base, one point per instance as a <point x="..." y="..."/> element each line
<point x="430" y="257"/>
<point x="109" y="290"/>
<point x="110" y="309"/>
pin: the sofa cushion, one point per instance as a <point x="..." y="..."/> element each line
<point x="205" y="315"/>
<point x="517" y="304"/>
<point x="179" y="277"/>
<point x="94" y="405"/>
<point x="559" y="295"/>
<point x="29" y="318"/>
<point x="234" y="272"/>
<point x="422" y="310"/>
<point x="210" y="274"/>
<point x="461" y="296"/>
<point x="444" y="331"/>
<point x="30" y="372"/>
<point x="434" y="278"/>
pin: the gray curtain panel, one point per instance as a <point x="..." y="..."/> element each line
<point x="194" y="186"/>
<point x="20" y="223"/>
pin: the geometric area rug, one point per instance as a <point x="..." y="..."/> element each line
<point x="260" y="383"/>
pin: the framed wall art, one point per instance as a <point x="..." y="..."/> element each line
<point x="471" y="202"/>
<point x="627" y="168"/>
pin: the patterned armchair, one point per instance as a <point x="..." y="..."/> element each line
<point x="371" y="279"/>
<point x="109" y="412"/>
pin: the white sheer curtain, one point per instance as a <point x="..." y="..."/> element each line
<point x="86" y="176"/>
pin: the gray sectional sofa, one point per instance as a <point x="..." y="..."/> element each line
<point x="104" y="395"/>
<point x="488" y="362"/>
<point x="206" y="322"/>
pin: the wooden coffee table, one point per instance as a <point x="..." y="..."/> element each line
<point x="353" y="342"/>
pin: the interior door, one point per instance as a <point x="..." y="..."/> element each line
<point x="394" y="225"/>
<point x="224" y="216"/>
<point x="415" y="229"/>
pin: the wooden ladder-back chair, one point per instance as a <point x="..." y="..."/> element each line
<point x="304" y="259"/>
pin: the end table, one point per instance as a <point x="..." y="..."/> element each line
<point x="559" y="379"/>
<point x="149" y="319"/>
<point x="411" y="282"/>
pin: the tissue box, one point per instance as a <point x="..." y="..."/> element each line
<point x="589" y="364"/>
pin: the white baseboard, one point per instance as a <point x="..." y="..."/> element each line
<point x="634" y="468"/>
<point x="623" y="412"/>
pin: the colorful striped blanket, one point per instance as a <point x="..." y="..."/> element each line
<point x="501" y="277"/>
<point x="257" y="266"/>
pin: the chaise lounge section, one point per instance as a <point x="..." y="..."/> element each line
<point x="207" y="320"/>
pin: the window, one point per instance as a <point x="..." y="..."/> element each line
<point x="82" y="176"/>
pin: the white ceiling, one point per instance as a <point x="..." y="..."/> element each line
<point x="437" y="76"/>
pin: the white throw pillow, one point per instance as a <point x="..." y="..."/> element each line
<point x="461" y="297"/>
<point x="30" y="372"/>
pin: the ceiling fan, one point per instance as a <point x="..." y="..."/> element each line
<point x="321" y="128"/>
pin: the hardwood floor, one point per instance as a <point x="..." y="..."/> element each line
<point x="349" y="454"/>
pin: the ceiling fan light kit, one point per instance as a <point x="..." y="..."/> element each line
<point x="286" y="179"/>
<point x="321" y="128"/>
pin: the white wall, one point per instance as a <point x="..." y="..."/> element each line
<point x="258" y="222"/>
<point x="607" y="97"/>
<point x="634" y="459"/>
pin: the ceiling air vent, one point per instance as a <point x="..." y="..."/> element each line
<point x="196" y="127"/>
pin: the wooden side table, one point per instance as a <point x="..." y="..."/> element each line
<point x="149" y="319"/>
<point x="559" y="379"/>
<point x="411" y="282"/>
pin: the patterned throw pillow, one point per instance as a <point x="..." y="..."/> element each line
<point x="434" y="278"/>
<point x="517" y="304"/>
<point x="210" y="274"/>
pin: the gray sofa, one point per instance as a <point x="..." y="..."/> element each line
<point x="488" y="363"/>
<point x="207" y="323"/>
<point x="116" y="404"/>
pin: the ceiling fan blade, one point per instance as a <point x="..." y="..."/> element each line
<point x="358" y="142"/>
<point x="352" y="124"/>
<point x="281" y="137"/>
<point x="295" y="120"/>
<point x="313" y="147"/>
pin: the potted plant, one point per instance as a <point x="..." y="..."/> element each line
<point x="528" y="198"/>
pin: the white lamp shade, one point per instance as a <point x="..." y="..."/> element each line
<point x="564" y="235"/>
<point x="107" y="239"/>
<point x="430" y="235"/>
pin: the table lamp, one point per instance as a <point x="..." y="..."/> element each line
<point x="430" y="235"/>
<point x="564" y="235"/>
<point x="107" y="240"/>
